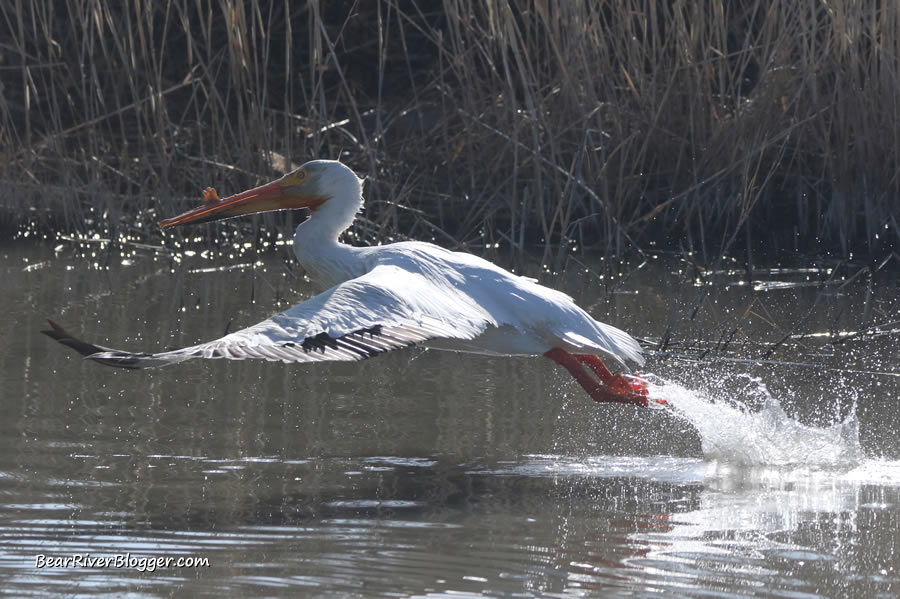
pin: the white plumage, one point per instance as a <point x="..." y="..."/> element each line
<point x="382" y="298"/>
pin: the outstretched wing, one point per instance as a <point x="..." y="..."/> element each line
<point x="388" y="308"/>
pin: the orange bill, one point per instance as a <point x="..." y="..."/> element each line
<point x="265" y="198"/>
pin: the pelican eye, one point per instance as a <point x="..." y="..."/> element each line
<point x="295" y="178"/>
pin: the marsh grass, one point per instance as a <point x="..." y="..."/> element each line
<point x="711" y="126"/>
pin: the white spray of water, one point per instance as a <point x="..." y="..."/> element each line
<point x="734" y="434"/>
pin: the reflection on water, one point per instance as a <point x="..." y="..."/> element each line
<point x="435" y="474"/>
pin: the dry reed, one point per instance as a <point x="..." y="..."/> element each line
<point x="714" y="126"/>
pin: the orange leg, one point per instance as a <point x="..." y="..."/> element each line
<point x="597" y="365"/>
<point x="598" y="391"/>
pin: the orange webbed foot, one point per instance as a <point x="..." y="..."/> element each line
<point x="628" y="384"/>
<point x="635" y="389"/>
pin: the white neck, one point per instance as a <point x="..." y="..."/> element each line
<point x="316" y="244"/>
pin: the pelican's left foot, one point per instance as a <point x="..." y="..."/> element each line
<point x="635" y="388"/>
<point x="627" y="383"/>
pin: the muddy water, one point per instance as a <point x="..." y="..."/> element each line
<point x="776" y="472"/>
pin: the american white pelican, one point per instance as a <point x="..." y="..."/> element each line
<point x="378" y="299"/>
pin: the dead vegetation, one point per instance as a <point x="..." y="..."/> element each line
<point x="713" y="126"/>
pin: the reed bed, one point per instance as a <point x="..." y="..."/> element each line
<point x="714" y="126"/>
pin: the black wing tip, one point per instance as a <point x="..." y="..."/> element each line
<point x="57" y="333"/>
<point x="89" y="350"/>
<point x="119" y="359"/>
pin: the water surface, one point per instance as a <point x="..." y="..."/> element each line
<point x="421" y="473"/>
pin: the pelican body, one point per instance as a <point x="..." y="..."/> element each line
<point x="383" y="298"/>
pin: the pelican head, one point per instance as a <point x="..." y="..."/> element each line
<point x="325" y="186"/>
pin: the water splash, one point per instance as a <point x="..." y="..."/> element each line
<point x="733" y="433"/>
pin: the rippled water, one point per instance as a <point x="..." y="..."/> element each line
<point x="424" y="473"/>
